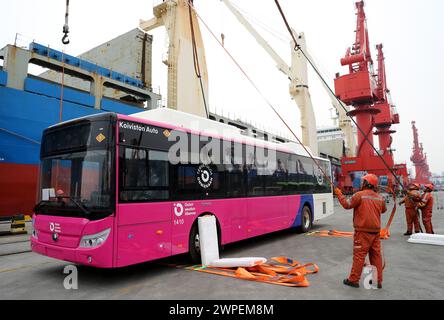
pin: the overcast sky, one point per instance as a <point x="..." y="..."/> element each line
<point x="411" y="32"/>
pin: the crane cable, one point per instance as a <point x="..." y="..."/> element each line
<point x="65" y="39"/>
<point x="298" y="48"/>
<point x="196" y="56"/>
<point x="324" y="173"/>
<point x="254" y="20"/>
<point x="62" y="87"/>
<point x="65" y="42"/>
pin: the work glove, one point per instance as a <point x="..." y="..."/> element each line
<point x="338" y="192"/>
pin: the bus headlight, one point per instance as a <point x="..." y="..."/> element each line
<point x="94" y="240"/>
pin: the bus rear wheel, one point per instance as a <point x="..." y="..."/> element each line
<point x="307" y="221"/>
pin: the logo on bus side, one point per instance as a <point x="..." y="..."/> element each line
<point x="178" y="209"/>
<point x="205" y="176"/>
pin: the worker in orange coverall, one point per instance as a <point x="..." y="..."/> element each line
<point x="368" y="206"/>
<point x="411" y="202"/>
<point x="427" y="208"/>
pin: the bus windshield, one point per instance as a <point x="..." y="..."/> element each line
<point x="76" y="175"/>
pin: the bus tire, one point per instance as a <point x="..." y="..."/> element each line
<point x="306" y="220"/>
<point x="194" y="244"/>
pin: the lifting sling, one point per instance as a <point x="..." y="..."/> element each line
<point x="281" y="271"/>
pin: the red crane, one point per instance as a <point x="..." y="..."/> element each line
<point x="359" y="88"/>
<point x="388" y="114"/>
<point x="368" y="93"/>
<point x="384" y="120"/>
<point x="419" y="159"/>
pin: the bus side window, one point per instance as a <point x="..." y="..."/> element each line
<point x="144" y="175"/>
<point x="234" y="171"/>
<point x="158" y="169"/>
<point x="276" y="180"/>
<point x="186" y="186"/>
<point x="294" y="176"/>
<point x="135" y="174"/>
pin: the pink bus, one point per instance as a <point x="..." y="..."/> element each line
<point x="111" y="196"/>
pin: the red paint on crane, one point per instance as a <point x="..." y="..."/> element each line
<point x="367" y="92"/>
<point x="419" y="159"/>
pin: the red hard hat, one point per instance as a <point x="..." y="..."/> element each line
<point x="371" y="180"/>
<point x="431" y="187"/>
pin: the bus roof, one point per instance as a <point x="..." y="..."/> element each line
<point x="173" y="119"/>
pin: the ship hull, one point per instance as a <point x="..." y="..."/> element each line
<point x="24" y="114"/>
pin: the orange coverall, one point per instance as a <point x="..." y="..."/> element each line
<point x="427" y="211"/>
<point x="411" y="211"/>
<point x="368" y="206"/>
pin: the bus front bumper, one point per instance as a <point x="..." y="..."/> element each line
<point x="100" y="257"/>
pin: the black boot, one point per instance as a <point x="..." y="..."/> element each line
<point x="408" y="234"/>
<point x="351" y="284"/>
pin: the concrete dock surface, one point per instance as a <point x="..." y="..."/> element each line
<point x="412" y="272"/>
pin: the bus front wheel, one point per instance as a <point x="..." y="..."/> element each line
<point x="307" y="221"/>
<point x="194" y="244"/>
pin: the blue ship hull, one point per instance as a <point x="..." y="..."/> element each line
<point x="24" y="114"/>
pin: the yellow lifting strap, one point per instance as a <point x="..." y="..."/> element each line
<point x="282" y="271"/>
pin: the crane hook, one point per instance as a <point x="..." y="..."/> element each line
<point x="65" y="39"/>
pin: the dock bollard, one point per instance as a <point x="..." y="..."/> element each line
<point x="18" y="225"/>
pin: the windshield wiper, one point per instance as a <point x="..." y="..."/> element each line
<point x="78" y="204"/>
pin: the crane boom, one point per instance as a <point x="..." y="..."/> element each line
<point x="297" y="74"/>
<point x="345" y="124"/>
<point x="280" y="63"/>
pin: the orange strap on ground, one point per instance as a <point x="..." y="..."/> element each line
<point x="331" y="233"/>
<point x="281" y="271"/>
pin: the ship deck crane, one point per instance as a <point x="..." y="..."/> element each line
<point x="187" y="81"/>
<point x="298" y="75"/>
<point x="299" y="90"/>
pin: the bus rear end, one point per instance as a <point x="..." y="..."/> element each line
<point x="74" y="220"/>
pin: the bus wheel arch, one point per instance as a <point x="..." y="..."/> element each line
<point x="306" y="218"/>
<point x="194" y="242"/>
